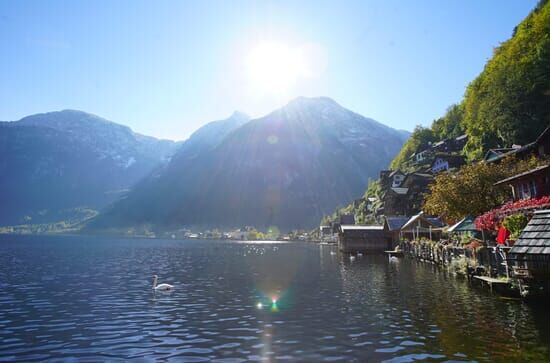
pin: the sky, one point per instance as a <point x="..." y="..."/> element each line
<point x="165" y="68"/>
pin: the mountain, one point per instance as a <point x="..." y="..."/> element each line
<point x="285" y="170"/>
<point x="210" y="135"/>
<point x="55" y="162"/>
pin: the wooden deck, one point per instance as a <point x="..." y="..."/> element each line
<point x="492" y="281"/>
<point x="398" y="253"/>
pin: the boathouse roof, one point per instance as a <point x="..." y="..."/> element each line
<point x="465" y="224"/>
<point x="395" y="223"/>
<point x="422" y="220"/>
<point x="355" y="227"/>
<point x="347" y="219"/>
<point x="535" y="238"/>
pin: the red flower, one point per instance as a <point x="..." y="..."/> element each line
<point x="491" y="219"/>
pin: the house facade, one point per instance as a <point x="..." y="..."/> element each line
<point x="406" y="196"/>
<point x="446" y="162"/>
<point x="368" y="239"/>
<point x="534" y="183"/>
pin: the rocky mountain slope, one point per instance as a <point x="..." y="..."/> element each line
<point x="283" y="170"/>
<point x="54" y="163"/>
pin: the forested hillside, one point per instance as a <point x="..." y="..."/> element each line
<point x="508" y="103"/>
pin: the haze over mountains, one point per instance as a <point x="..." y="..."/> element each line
<point x="55" y="162"/>
<point x="283" y="170"/>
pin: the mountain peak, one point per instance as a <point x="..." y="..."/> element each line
<point x="64" y="118"/>
<point x="304" y="101"/>
<point x="239" y="115"/>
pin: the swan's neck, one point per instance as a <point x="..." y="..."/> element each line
<point x="155" y="282"/>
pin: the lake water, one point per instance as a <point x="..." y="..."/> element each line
<point x="90" y="299"/>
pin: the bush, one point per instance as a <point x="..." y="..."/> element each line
<point x="515" y="224"/>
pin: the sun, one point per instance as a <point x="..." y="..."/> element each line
<point x="275" y="67"/>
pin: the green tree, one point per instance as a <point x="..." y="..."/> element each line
<point x="420" y="139"/>
<point x="450" y="125"/>
<point x="509" y="102"/>
<point x="452" y="195"/>
<point x="471" y="190"/>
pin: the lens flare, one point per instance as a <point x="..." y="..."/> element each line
<point x="272" y="139"/>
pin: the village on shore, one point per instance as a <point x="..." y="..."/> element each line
<point x="506" y="248"/>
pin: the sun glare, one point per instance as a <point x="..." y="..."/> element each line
<point x="275" y="68"/>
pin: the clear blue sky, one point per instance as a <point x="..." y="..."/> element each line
<point x="164" y="68"/>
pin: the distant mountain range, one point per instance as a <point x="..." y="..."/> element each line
<point x="285" y="170"/>
<point x="56" y="162"/>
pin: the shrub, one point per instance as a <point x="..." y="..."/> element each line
<point x="515" y="224"/>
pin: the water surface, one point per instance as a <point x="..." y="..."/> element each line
<point x="90" y="299"/>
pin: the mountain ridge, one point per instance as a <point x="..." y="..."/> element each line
<point x="64" y="160"/>
<point x="284" y="169"/>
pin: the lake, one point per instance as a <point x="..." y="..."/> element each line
<point x="66" y="298"/>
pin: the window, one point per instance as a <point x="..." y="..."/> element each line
<point x="524" y="191"/>
<point x="532" y="189"/>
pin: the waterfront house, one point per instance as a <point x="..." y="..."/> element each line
<point x="325" y="231"/>
<point x="465" y="226"/>
<point x="534" y="183"/>
<point x="369" y="239"/>
<point x="422" y="226"/>
<point x="326" y="234"/>
<point x="347" y="219"/>
<point x="530" y="255"/>
<point x="393" y="225"/>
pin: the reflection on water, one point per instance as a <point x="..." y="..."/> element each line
<point x="91" y="299"/>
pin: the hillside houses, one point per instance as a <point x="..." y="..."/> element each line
<point x="443" y="155"/>
<point x="403" y="191"/>
<point x="403" y="194"/>
<point x="538" y="148"/>
<point x="534" y="183"/>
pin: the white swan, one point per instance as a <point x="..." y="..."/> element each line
<point x="161" y="287"/>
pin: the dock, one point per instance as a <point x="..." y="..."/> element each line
<point x="396" y="253"/>
<point x="492" y="281"/>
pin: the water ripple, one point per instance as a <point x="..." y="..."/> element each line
<point x="88" y="299"/>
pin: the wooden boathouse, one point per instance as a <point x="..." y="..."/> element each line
<point x="530" y="255"/>
<point x="367" y="239"/>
